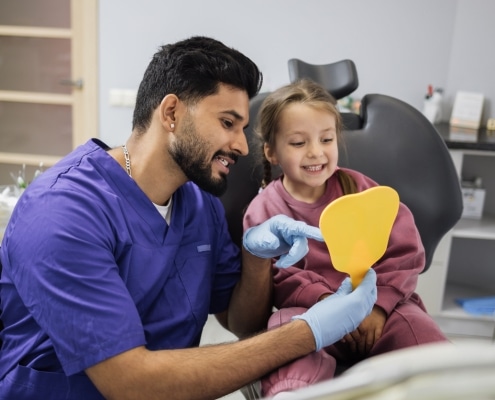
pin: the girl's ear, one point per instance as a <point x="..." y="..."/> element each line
<point x="270" y="154"/>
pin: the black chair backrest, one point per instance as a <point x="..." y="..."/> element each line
<point x="339" y="78"/>
<point x="398" y="147"/>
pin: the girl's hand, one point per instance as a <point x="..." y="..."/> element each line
<point x="368" y="332"/>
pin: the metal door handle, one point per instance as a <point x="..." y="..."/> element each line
<point x="78" y="84"/>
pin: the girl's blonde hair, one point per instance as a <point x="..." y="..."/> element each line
<point x="306" y="92"/>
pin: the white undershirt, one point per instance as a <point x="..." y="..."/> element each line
<point x="165" y="211"/>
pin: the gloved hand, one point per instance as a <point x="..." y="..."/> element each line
<point x="341" y="313"/>
<point x="280" y="236"/>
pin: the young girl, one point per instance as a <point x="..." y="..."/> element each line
<point x="299" y="127"/>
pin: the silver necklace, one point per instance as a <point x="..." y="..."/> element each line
<point x="127" y="160"/>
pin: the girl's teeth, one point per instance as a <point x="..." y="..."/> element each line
<point x="313" y="168"/>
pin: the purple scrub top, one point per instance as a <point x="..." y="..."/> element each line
<point x="91" y="269"/>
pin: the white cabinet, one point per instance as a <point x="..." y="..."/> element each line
<point x="464" y="263"/>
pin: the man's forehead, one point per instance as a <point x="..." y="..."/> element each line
<point x="228" y="100"/>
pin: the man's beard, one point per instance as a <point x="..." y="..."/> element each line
<point x="190" y="152"/>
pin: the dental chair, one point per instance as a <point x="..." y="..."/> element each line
<point x="390" y="141"/>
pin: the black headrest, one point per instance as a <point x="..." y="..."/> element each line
<point x="339" y="78"/>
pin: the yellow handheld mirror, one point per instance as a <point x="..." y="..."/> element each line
<point x="356" y="229"/>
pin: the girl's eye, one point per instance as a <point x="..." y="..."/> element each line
<point x="327" y="140"/>
<point x="297" y="144"/>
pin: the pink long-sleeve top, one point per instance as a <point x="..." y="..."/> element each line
<point x="305" y="282"/>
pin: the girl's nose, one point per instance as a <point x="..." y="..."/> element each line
<point x="315" y="150"/>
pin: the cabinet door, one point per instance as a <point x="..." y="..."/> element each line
<point x="48" y="85"/>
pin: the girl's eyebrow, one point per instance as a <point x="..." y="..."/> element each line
<point x="330" y="128"/>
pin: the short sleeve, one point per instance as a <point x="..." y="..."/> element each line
<point x="67" y="277"/>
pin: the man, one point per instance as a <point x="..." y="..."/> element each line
<point x="114" y="258"/>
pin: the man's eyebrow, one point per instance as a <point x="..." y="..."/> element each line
<point x="234" y="113"/>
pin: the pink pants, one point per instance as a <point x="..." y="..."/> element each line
<point x="408" y="325"/>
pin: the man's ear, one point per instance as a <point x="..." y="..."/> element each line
<point x="270" y="154"/>
<point x="167" y="111"/>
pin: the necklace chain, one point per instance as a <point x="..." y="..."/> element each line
<point x="127" y="160"/>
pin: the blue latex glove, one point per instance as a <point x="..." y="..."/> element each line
<point x="281" y="236"/>
<point x="341" y="313"/>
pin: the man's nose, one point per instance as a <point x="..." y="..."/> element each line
<point x="240" y="145"/>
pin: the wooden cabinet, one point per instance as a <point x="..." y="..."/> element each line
<point x="48" y="81"/>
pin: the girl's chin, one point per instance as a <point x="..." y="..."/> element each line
<point x="316" y="179"/>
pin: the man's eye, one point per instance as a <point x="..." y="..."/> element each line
<point x="228" y="123"/>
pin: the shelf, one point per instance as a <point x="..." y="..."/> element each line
<point x="475" y="228"/>
<point x="455" y="291"/>
<point x="454" y="321"/>
<point x="483" y="140"/>
<point x="465" y="265"/>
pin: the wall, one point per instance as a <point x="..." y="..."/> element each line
<point x="472" y="59"/>
<point x="399" y="47"/>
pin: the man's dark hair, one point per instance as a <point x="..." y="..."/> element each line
<point x="192" y="69"/>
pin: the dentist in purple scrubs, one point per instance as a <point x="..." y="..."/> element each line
<point x="114" y="257"/>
